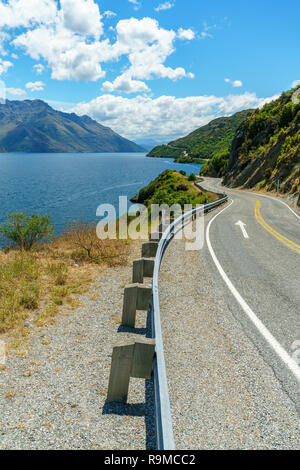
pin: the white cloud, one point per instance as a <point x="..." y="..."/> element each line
<point x="185" y="34"/>
<point x="39" y="68"/>
<point x="234" y="83"/>
<point x="136" y="3"/>
<point x="147" y="46"/>
<point x="16" y="91"/>
<point x="69" y="56"/>
<point x="67" y="38"/>
<point x="82" y="16"/>
<point x="295" y="83"/>
<point x="205" y="33"/>
<point x="16" y="13"/>
<point x="2" y="92"/>
<point x="109" y="14"/>
<point x="164" y="6"/>
<point x="78" y="16"/>
<point x="71" y="46"/>
<point x="125" y="84"/>
<point x="163" y="118"/>
<point x="35" y="86"/>
<point x="3" y="37"/>
<point x="4" y="66"/>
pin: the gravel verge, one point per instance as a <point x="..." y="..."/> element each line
<point x="53" y="397"/>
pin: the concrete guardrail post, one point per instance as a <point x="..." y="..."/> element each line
<point x="149" y="249"/>
<point x="142" y="267"/>
<point x="130" y="360"/>
<point x="136" y="297"/>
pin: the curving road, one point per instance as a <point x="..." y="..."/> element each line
<point x="231" y="327"/>
<point x="255" y="246"/>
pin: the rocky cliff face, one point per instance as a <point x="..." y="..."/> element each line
<point x="266" y="148"/>
<point x="33" y="126"/>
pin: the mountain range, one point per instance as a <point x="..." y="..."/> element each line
<point x="33" y="126"/>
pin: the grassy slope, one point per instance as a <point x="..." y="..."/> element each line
<point x="267" y="148"/>
<point x="204" y="142"/>
<point x="36" y="284"/>
<point x="171" y="187"/>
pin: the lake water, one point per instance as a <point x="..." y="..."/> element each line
<point x="72" y="186"/>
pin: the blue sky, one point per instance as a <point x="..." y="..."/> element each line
<point x="152" y="70"/>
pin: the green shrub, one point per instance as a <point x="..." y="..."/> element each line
<point x="192" y="177"/>
<point x="182" y="187"/>
<point x="26" y="230"/>
<point x="286" y="115"/>
<point x="216" y="166"/>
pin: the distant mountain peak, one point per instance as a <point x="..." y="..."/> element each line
<point x="34" y="126"/>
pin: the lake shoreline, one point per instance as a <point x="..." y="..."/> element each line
<point x="71" y="186"/>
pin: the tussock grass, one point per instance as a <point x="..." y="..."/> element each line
<point x="35" y="285"/>
<point x="19" y="287"/>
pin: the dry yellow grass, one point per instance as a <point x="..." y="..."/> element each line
<point x="35" y="285"/>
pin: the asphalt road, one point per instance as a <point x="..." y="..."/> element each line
<point x="256" y="266"/>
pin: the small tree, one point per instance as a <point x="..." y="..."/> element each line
<point x="26" y="230"/>
<point x="192" y="177"/>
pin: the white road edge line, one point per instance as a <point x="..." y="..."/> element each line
<point x="279" y="350"/>
<point x="278" y="200"/>
<point x="223" y="188"/>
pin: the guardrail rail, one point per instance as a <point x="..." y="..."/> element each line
<point x="163" y="417"/>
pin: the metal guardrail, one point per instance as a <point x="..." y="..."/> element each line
<point x="164" y="427"/>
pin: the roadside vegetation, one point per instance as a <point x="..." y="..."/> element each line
<point x="217" y="165"/>
<point x="39" y="276"/>
<point x="172" y="187"/>
<point x="266" y="149"/>
<point x="265" y="152"/>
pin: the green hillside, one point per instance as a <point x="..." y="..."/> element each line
<point x="203" y="143"/>
<point x="171" y="187"/>
<point x="266" y="148"/>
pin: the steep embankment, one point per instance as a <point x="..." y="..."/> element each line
<point x="203" y="143"/>
<point x="33" y="126"/>
<point x="266" y="148"/>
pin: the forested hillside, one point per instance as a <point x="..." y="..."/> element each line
<point x="266" y="148"/>
<point x="203" y="143"/>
